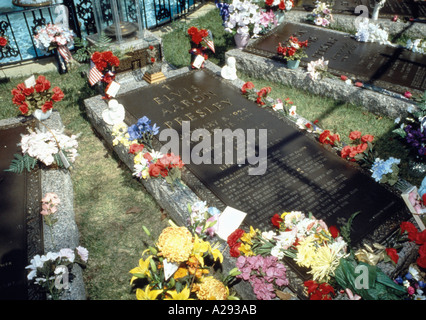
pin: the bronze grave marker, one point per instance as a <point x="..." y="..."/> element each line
<point x="391" y="68"/>
<point x="301" y="175"/>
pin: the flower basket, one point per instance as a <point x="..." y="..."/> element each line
<point x="293" y="64"/>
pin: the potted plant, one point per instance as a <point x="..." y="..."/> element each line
<point x="243" y="21"/>
<point x="293" y="52"/>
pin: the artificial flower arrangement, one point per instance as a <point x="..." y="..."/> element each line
<point x="317" y="69"/>
<point x="413" y="132"/>
<point x="178" y="268"/>
<point x="418" y="45"/>
<point x="50" y="148"/>
<point x="243" y="18"/>
<point x="202" y="219"/>
<point x="281" y="5"/>
<point x="198" y="38"/>
<point x="148" y="163"/>
<point x="53" y="36"/>
<point x="324" y="251"/>
<point x="284" y="107"/>
<point x="360" y="150"/>
<point x="105" y="62"/>
<point x="321" y="15"/>
<point x="385" y="171"/>
<point x="371" y="32"/>
<point x="53" y="271"/>
<point x="39" y="96"/>
<point x="153" y="65"/>
<point x="268" y="20"/>
<point x="293" y="50"/>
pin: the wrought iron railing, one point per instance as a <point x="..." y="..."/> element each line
<point x="19" y="26"/>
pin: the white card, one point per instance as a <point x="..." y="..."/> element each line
<point x="198" y="62"/>
<point x="169" y="269"/>
<point x="30" y="82"/>
<point x="229" y="220"/>
<point x="113" y="89"/>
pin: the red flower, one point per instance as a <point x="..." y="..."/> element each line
<point x="410" y="228"/>
<point x="346" y="150"/>
<point x="354" y="135"/>
<point x="154" y="170"/>
<point x="311" y="285"/>
<point x="3" y="41"/>
<point x="47" y="106"/>
<point x="247" y="86"/>
<point x="343" y="77"/>
<point x="358" y="84"/>
<point x="318" y="291"/>
<point x="135" y="148"/>
<point x="18" y="99"/>
<point x="393" y="254"/>
<point x="234" y="236"/>
<point x="152" y="60"/>
<point x="281" y="6"/>
<point x="324" y="135"/>
<point x="151" y="47"/>
<point x="58" y="95"/>
<point x="96" y="57"/>
<point x="269" y="2"/>
<point x="192" y="31"/>
<point x="420" y="237"/>
<point x="147" y="156"/>
<point x="367" y="137"/>
<point x="276" y="219"/>
<point x="408" y="94"/>
<point x="24" y="108"/>
<point x="334" y="231"/>
<point x="28" y="91"/>
<point x="235" y="250"/>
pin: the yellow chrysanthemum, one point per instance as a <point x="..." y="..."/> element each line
<point x="325" y="261"/>
<point x="212" y="289"/>
<point x="147" y="294"/>
<point x="175" y="244"/>
<point x="306" y="252"/>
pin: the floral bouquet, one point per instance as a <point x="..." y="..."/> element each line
<point x="148" y="163"/>
<point x="317" y="69"/>
<point x="361" y="149"/>
<point x="282" y="5"/>
<point x="177" y="269"/>
<point x="267" y="21"/>
<point x="413" y="132"/>
<point x="53" y="36"/>
<point x="294" y="49"/>
<point x="371" y="32"/>
<point x="52" y="147"/>
<point x="102" y="69"/>
<point x="198" y="38"/>
<point x="153" y="65"/>
<point x="418" y="45"/>
<point x="52" y="272"/>
<point x="202" y="219"/>
<point x="385" y="171"/>
<point x="243" y="18"/>
<point x="40" y="96"/>
<point x="321" y="15"/>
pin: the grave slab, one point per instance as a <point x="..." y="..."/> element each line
<point x="304" y="171"/>
<point x="388" y="67"/>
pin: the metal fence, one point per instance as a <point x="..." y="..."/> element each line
<point x="19" y="25"/>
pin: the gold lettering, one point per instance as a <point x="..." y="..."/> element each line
<point x="190" y="116"/>
<point x="169" y="124"/>
<point x="186" y="103"/>
<point x="201" y="113"/>
<point x="157" y="99"/>
<point x="178" y="120"/>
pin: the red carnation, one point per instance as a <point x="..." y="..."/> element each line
<point x="47" y="106"/>
<point x="276" y="219"/>
<point x="367" y="138"/>
<point x="247" y="86"/>
<point x="354" y="135"/>
<point x="393" y="254"/>
<point x="135" y="148"/>
<point x="235" y="250"/>
<point x="24" y="108"/>
<point x="343" y="77"/>
<point x="58" y="95"/>
<point x="234" y="236"/>
<point x="269" y="2"/>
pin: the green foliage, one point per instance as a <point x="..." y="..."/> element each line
<point x="378" y="287"/>
<point x="22" y="162"/>
<point x="345" y="230"/>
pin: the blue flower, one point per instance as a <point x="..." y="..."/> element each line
<point x="134" y="133"/>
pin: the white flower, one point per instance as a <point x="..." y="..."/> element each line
<point x="277" y="252"/>
<point x="68" y="254"/>
<point x="286" y="239"/>
<point x="83" y="253"/>
<point x="292" y="111"/>
<point x="268" y="235"/>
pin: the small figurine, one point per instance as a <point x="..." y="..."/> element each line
<point x="114" y="114"/>
<point x="229" y="71"/>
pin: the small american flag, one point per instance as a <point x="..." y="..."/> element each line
<point x="65" y="53"/>
<point x="209" y="41"/>
<point x="94" y="74"/>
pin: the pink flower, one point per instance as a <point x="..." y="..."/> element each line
<point x="408" y="94"/>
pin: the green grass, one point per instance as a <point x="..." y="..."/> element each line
<point x="111" y="206"/>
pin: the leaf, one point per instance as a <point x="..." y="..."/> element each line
<point x="283" y="295"/>
<point x="133" y="210"/>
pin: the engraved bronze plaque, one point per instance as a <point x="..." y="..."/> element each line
<point x="300" y="175"/>
<point x="20" y="220"/>
<point x="402" y="8"/>
<point x="391" y="68"/>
